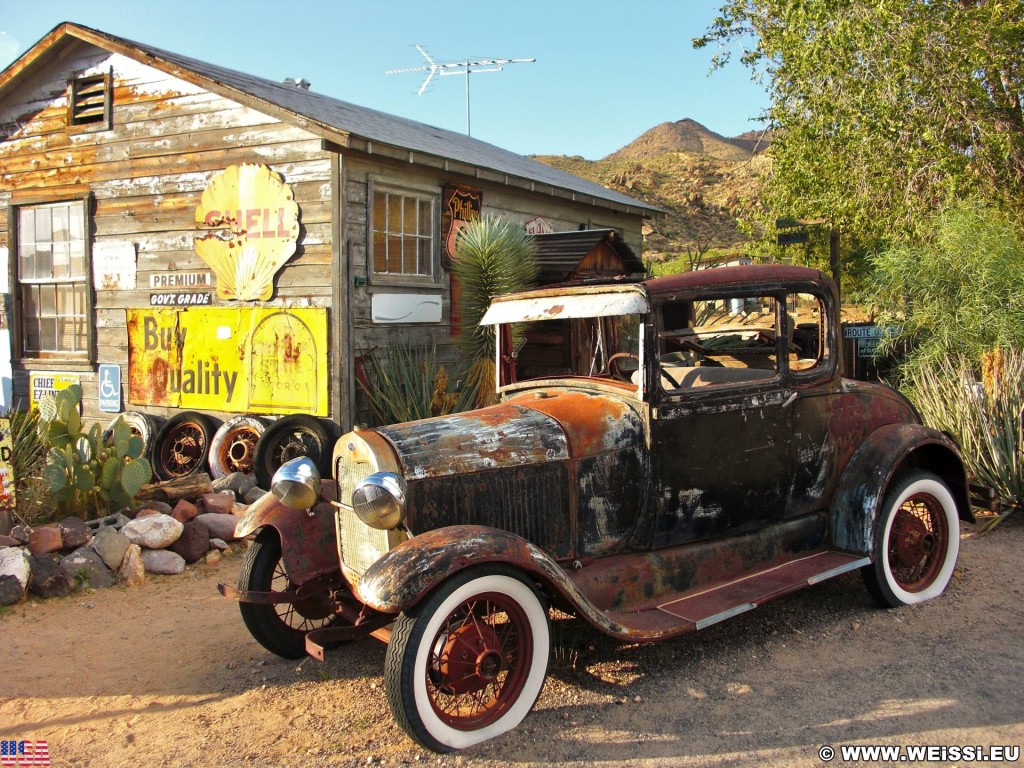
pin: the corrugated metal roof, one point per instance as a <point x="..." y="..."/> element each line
<point x="559" y="253"/>
<point x="336" y="116"/>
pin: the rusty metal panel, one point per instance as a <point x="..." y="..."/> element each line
<point x="532" y="502"/>
<point x="554" y="304"/>
<point x="490" y="438"/>
<point x="239" y="360"/>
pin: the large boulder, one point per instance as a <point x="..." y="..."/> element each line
<point x="48" y="578"/>
<point x="46" y="539"/>
<point x="153" y="532"/>
<point x="111" y="546"/>
<point x="162" y="561"/>
<point x="193" y="543"/>
<point x="132" y="571"/>
<point x="14" y="561"/>
<point x="220" y="526"/>
<point x="85" y="567"/>
<point x="74" y="533"/>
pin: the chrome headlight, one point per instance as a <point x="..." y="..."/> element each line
<point x="296" y="483"/>
<point x="379" y="500"/>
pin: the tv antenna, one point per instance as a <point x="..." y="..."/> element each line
<point x="464" y="67"/>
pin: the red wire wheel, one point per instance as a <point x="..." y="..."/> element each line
<point x="183" y="445"/>
<point x="469" y="662"/>
<point x="917" y="540"/>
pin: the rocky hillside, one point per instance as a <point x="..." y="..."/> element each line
<point x="703" y="181"/>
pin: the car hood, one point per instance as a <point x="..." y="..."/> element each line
<point x="533" y="427"/>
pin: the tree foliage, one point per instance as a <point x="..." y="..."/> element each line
<point x="958" y="293"/>
<point x="884" y="111"/>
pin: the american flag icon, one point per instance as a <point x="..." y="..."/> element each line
<point x="24" y="753"/>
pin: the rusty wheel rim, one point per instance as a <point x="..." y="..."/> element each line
<point x="182" y="450"/>
<point x="301" y="616"/>
<point x="918" y="541"/>
<point x="238" y="451"/>
<point x="479" y="662"/>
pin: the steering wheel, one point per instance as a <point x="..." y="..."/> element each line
<point x="612" y="365"/>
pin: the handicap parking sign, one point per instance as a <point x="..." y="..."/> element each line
<point x="109" y="386"/>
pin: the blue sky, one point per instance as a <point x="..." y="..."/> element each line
<point x="605" y="70"/>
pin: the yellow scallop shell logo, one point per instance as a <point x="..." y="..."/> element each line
<point x="253" y="223"/>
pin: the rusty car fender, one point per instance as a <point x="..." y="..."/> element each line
<point x="871" y="469"/>
<point x="407" y="573"/>
<point x="309" y="542"/>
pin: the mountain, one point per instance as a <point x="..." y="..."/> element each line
<point x="705" y="182"/>
<point x="687" y="136"/>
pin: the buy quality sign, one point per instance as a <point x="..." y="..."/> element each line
<point x="239" y="360"/>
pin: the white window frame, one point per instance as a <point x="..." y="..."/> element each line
<point x="419" y="193"/>
<point x="82" y="306"/>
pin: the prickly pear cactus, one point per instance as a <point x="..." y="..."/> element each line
<point x="88" y="475"/>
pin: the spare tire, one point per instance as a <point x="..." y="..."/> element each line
<point x="183" y="445"/>
<point x="290" y="437"/>
<point x="141" y="424"/>
<point x="233" y="448"/>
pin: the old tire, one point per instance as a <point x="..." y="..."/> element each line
<point x="281" y="628"/>
<point x="290" y="437"/>
<point x="183" y="445"/>
<point x="233" y="448"/>
<point x="143" y="425"/>
<point x="468" y="663"/>
<point x="917" y="540"/>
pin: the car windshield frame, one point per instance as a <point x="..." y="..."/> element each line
<point x="586" y="303"/>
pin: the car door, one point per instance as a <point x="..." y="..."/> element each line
<point x="721" y="427"/>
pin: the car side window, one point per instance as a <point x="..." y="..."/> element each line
<point x="809" y="349"/>
<point x="719" y="342"/>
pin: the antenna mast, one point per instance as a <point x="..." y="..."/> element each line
<point x="463" y="67"/>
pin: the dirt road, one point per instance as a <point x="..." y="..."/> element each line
<point x="165" y="675"/>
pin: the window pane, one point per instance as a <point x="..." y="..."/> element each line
<point x="425" y="261"/>
<point x="44" y="233"/>
<point x="394" y="213"/>
<point x="77" y="222"/>
<point x="409" y="221"/>
<point x="47" y="298"/>
<point x="60" y="223"/>
<point x="380" y="208"/>
<point x="380" y="253"/>
<point x="394" y="254"/>
<point x="26" y="226"/>
<point x="426" y="220"/>
<point x="76" y="259"/>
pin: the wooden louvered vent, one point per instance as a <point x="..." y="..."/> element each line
<point x="89" y="102"/>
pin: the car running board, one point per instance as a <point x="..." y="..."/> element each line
<point x="709" y="605"/>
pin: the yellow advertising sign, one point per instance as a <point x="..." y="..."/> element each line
<point x="254" y="224"/>
<point x="240" y="360"/>
<point x="7" y="495"/>
<point x="42" y="384"/>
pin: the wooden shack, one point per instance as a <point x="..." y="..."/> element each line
<point x="177" y="235"/>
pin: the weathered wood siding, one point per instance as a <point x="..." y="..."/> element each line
<point x="147" y="174"/>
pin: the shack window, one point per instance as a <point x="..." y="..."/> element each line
<point x="403" y="235"/>
<point x="52" y="280"/>
<point x="90" y="102"/>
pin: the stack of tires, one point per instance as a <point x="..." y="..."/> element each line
<point x="190" y="442"/>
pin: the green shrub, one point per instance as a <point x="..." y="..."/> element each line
<point x="27" y="461"/>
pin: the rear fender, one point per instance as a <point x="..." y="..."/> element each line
<point x="309" y="540"/>
<point x="402" y="577"/>
<point x="881" y="457"/>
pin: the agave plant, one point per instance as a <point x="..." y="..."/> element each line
<point x="492" y="257"/>
<point x="984" y="417"/>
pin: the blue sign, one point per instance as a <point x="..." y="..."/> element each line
<point x="110" y="388"/>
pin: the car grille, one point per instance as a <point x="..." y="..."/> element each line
<point x="359" y="546"/>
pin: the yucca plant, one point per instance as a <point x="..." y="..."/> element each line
<point x="27" y="462"/>
<point x="984" y="417"/>
<point x="492" y="257"/>
<point x="407" y="383"/>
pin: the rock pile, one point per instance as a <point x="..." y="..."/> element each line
<point x="153" y="538"/>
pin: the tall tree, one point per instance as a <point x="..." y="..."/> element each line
<point x="884" y="111"/>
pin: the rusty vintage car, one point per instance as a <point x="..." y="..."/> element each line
<point x="667" y="453"/>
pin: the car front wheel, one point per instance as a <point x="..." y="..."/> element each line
<point x="468" y="663"/>
<point x="916" y="542"/>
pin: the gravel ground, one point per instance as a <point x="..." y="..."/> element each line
<point x="166" y="675"/>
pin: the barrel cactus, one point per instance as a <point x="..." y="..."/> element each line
<point x="89" y="473"/>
